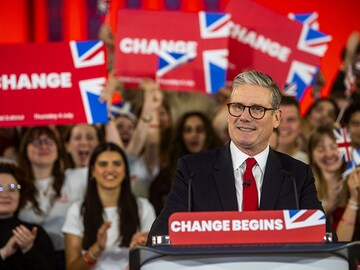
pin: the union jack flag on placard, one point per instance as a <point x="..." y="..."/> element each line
<point x="87" y="53"/>
<point x="168" y="61"/>
<point x="215" y="66"/>
<point x="343" y="141"/>
<point x="301" y="76"/>
<point x="214" y="25"/>
<point x="90" y="90"/>
<point x="311" y="39"/>
<point x="303" y="218"/>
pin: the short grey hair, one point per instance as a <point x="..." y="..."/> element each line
<point x="254" y="77"/>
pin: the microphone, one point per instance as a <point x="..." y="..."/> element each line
<point x="289" y="175"/>
<point x="189" y="191"/>
<point x="246" y="182"/>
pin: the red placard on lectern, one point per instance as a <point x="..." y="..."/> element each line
<point x="250" y="227"/>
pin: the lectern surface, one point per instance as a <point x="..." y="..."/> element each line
<point x="330" y="256"/>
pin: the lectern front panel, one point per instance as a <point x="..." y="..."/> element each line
<point x="250" y="262"/>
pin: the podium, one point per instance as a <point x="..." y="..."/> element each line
<point x="329" y="256"/>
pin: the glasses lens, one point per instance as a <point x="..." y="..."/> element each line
<point x="236" y="109"/>
<point x="257" y="112"/>
<point x="10" y="188"/>
<point x="45" y="141"/>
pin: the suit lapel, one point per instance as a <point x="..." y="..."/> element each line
<point x="272" y="182"/>
<point x="225" y="181"/>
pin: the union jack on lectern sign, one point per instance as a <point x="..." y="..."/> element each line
<point x="247" y="227"/>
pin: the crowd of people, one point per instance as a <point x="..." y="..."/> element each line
<point x="74" y="197"/>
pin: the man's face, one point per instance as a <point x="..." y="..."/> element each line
<point x="290" y="125"/>
<point x="354" y="129"/>
<point x="250" y="135"/>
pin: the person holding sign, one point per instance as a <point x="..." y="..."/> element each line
<point x="246" y="174"/>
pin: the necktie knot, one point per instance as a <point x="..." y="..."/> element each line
<point x="250" y="162"/>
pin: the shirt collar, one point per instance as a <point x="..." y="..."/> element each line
<point x="238" y="157"/>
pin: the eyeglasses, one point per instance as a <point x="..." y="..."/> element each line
<point x="256" y="111"/>
<point x="46" y="142"/>
<point x="10" y="188"/>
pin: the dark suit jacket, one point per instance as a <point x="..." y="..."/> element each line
<point x="213" y="186"/>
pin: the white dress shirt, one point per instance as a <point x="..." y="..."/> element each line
<point x="239" y="165"/>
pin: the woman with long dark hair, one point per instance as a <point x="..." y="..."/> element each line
<point x="193" y="133"/>
<point x="100" y="230"/>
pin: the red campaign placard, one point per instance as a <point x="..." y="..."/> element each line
<point x="52" y="83"/>
<point x="182" y="51"/>
<point x="287" y="48"/>
<point x="251" y="227"/>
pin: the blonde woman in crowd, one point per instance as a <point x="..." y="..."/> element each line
<point x="328" y="166"/>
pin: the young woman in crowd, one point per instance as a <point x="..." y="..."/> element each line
<point x="100" y="230"/>
<point x="41" y="156"/>
<point x="328" y="166"/>
<point x="22" y="245"/>
<point x="80" y="140"/>
<point x="193" y="133"/>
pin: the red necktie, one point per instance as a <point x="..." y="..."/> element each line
<point x="250" y="193"/>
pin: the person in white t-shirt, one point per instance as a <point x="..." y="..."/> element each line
<point x="41" y="156"/>
<point x="100" y="230"/>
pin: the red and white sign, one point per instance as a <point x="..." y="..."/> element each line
<point x="287" y="48"/>
<point x="52" y="83"/>
<point x="251" y="227"/>
<point x="182" y="51"/>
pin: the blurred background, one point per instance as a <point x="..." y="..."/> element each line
<point x="63" y="20"/>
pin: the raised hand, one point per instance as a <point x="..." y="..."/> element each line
<point x="139" y="239"/>
<point x="354" y="185"/>
<point x="9" y="248"/>
<point x="24" y="238"/>
<point x="152" y="95"/>
<point x="101" y="237"/>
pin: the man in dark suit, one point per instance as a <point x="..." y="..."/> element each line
<point x="214" y="178"/>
